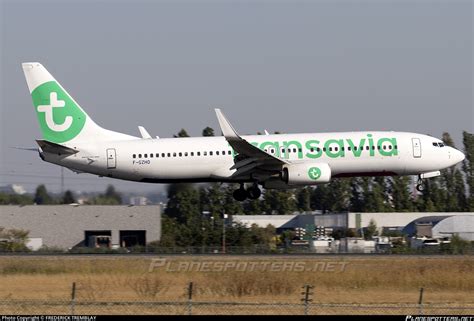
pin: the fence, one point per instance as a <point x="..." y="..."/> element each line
<point x="189" y="306"/>
<point x="56" y="307"/>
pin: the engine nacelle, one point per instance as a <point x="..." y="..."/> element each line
<point x="306" y="173"/>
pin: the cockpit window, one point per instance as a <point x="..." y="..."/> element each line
<point x="441" y="144"/>
<point x="435" y="144"/>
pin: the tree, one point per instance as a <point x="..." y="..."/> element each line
<point x="42" y="196"/>
<point x="15" y="240"/>
<point x="338" y="196"/>
<point x="15" y="199"/>
<point x="399" y="190"/>
<point x="111" y="193"/>
<point x="459" y="245"/>
<point x="303" y="198"/>
<point x="279" y="201"/>
<point x="182" y="133"/>
<point x="375" y="194"/>
<point x="208" y="131"/>
<point x="109" y="197"/>
<point x="319" y="198"/>
<point x="468" y="167"/>
<point x="356" y="200"/>
<point x="68" y="198"/>
<point x="370" y="230"/>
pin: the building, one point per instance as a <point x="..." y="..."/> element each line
<point x="384" y="221"/>
<point x="439" y="227"/>
<point x="69" y="226"/>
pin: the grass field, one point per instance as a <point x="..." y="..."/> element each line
<point x="374" y="279"/>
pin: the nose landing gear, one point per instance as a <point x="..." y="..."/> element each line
<point x="419" y="184"/>
<point x="242" y="194"/>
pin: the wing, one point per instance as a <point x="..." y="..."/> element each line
<point x="250" y="158"/>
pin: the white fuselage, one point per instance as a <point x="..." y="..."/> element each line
<point x="205" y="159"/>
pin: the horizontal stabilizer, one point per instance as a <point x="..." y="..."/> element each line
<point x="53" y="148"/>
<point x="33" y="149"/>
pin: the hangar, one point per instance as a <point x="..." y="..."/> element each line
<point x="69" y="226"/>
<point x="438" y="227"/>
<point x="392" y="221"/>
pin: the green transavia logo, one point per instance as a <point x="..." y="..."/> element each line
<point x="314" y="173"/>
<point x="60" y="118"/>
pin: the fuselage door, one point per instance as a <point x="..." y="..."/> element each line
<point x="111" y="158"/>
<point x="416" y="147"/>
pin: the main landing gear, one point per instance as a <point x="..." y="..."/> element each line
<point x="242" y="194"/>
<point x="419" y="184"/>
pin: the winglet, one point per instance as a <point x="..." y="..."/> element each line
<point x="226" y="127"/>
<point x="144" y="132"/>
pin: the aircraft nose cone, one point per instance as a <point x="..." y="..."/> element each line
<point x="458" y="156"/>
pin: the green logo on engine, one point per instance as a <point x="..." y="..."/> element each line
<point x="314" y="173"/>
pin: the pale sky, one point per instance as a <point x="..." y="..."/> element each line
<point x="291" y="66"/>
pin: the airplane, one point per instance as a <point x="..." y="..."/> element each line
<point x="281" y="161"/>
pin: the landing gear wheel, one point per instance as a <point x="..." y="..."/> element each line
<point x="419" y="184"/>
<point x="240" y="194"/>
<point x="254" y="192"/>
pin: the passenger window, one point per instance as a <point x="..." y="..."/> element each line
<point x="145" y="156"/>
<point x="217" y="153"/>
<point x="378" y="147"/>
<point x="162" y="154"/>
<point x="151" y="155"/>
<point x="205" y="153"/>
<point x="199" y="153"/>
<point x="355" y="147"/>
<point x="192" y="153"/>
<point x="272" y="150"/>
<point x="223" y="152"/>
<point x="300" y="150"/>
<point x="395" y="147"/>
<point x="318" y="149"/>
<point x="174" y="154"/>
<point x="349" y="148"/>
<point x="367" y="147"/>
<point x="294" y="150"/>
<point x="335" y="149"/>
<point x="157" y="154"/>
<point x="139" y="155"/>
<point x="312" y="150"/>
<point x="435" y="144"/>
<point x="373" y="147"/>
<point x="134" y="156"/>
<point x="324" y="149"/>
<point x="210" y="153"/>
<point x="185" y="153"/>
<point x="180" y="154"/>
<point x="169" y="154"/>
<point x="389" y="146"/>
<point x="330" y="149"/>
<point x="229" y="152"/>
<point x="441" y="145"/>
